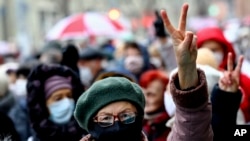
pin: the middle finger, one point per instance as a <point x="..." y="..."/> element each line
<point x="183" y="18"/>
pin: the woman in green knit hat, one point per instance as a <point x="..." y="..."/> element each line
<point x="112" y="108"/>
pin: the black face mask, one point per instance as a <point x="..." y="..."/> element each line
<point x="118" y="131"/>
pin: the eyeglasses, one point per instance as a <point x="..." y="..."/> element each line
<point x="108" y="120"/>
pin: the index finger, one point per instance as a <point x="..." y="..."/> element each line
<point x="229" y="62"/>
<point x="166" y="22"/>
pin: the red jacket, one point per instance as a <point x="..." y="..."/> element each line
<point x="216" y="34"/>
<point x="157" y="130"/>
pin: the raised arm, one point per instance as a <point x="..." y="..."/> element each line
<point x="226" y="98"/>
<point x="188" y="87"/>
<point x="184" y="43"/>
<point x="230" y="81"/>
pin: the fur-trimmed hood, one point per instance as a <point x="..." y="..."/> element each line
<point x="39" y="115"/>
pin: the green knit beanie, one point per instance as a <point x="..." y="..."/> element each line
<point x="104" y="92"/>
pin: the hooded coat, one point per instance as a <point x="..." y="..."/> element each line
<point x="146" y="62"/>
<point x="38" y="112"/>
<point x="216" y="34"/>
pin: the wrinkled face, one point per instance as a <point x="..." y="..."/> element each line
<point x="213" y="46"/>
<point x="117" y="122"/>
<point x="59" y="95"/>
<point x="116" y="108"/>
<point x="154" y="96"/>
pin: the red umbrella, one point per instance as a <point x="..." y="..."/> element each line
<point x="86" y="24"/>
<point x="246" y="21"/>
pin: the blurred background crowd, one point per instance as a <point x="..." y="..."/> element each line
<point x="25" y="23"/>
<point x="103" y="38"/>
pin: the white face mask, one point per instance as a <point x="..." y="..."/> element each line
<point x="169" y="103"/>
<point x="218" y="57"/>
<point x="61" y="111"/>
<point x="156" y="62"/>
<point x="134" y="64"/>
<point x="86" y="75"/>
<point x="20" y="87"/>
<point x="105" y="64"/>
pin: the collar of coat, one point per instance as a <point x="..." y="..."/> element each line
<point x="144" y="138"/>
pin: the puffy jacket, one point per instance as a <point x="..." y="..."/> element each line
<point x="193" y="112"/>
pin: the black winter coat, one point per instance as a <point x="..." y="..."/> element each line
<point x="38" y="113"/>
<point x="7" y="128"/>
<point x="224" y="112"/>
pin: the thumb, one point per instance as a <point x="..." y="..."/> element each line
<point x="187" y="42"/>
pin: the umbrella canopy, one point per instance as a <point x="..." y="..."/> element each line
<point x="246" y="21"/>
<point x="198" y="23"/>
<point x="85" y="25"/>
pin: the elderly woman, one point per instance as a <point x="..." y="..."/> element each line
<point x="154" y="83"/>
<point x="112" y="109"/>
<point x="52" y="92"/>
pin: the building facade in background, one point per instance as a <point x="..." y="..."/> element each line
<point x="27" y="21"/>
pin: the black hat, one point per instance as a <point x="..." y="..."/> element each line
<point x="90" y="53"/>
<point x="54" y="45"/>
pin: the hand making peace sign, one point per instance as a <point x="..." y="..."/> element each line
<point x="231" y="78"/>
<point x="184" y="43"/>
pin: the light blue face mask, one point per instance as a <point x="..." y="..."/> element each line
<point x="61" y="111"/>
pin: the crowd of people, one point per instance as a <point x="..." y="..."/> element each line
<point x="183" y="86"/>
